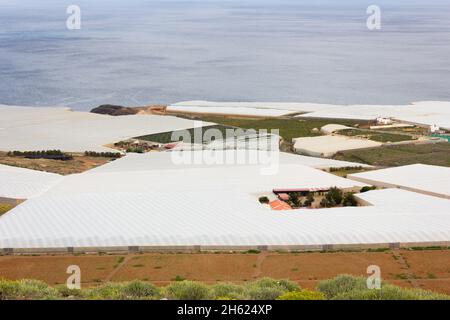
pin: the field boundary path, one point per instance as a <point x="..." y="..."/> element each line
<point x="405" y="266"/>
<point x="118" y="267"/>
<point x="259" y="261"/>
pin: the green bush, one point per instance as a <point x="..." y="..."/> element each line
<point x="325" y="203"/>
<point x="367" y="188"/>
<point x="302" y="295"/>
<point x="264" y="199"/>
<point x="334" y="195"/>
<point x="26" y="289"/>
<point x="187" y="290"/>
<point x="8" y="289"/>
<point x="107" y="291"/>
<point x="390" y="292"/>
<point x="349" y="200"/>
<point x="228" y="291"/>
<point x="139" y="290"/>
<point x="102" y="154"/>
<point x="135" y="150"/>
<point x="340" y="285"/>
<point x="269" y="289"/>
<point x="294" y="199"/>
<point x="309" y="200"/>
<point x="65" y="292"/>
<point x="343" y="287"/>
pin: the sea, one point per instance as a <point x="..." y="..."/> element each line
<point x="137" y="52"/>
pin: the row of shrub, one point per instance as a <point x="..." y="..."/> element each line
<point x="343" y="287"/>
<point x="41" y="154"/>
<point x="350" y="168"/>
<point x="334" y="197"/>
<point x="135" y="150"/>
<point x="102" y="154"/>
<point x="38" y="152"/>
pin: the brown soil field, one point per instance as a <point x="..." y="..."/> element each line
<point x="52" y="269"/>
<point x="429" y="264"/>
<point x="202" y="267"/>
<point x="429" y="268"/>
<point x="78" y="164"/>
<point x="314" y="266"/>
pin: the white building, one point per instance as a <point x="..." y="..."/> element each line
<point x="384" y="121"/>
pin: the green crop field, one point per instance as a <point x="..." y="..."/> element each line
<point x="376" y="135"/>
<point x="385" y="156"/>
<point x="166" y="137"/>
<point x="289" y="128"/>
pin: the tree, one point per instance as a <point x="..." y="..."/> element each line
<point x="334" y="195"/>
<point x="367" y="188"/>
<point x="294" y="199"/>
<point x="349" y="200"/>
<point x="309" y="200"/>
<point x="264" y="199"/>
<point x="327" y="203"/>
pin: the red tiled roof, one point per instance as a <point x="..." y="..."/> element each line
<point x="279" y="205"/>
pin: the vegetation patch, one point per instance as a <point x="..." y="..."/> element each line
<point x="166" y="137"/>
<point x="289" y="128"/>
<point x="302" y="295"/>
<point x="376" y="135"/>
<point x="5" y="207"/>
<point x="102" y="154"/>
<point x="399" y="155"/>
<point x="343" y="287"/>
<point x="44" y="154"/>
<point x="79" y="163"/>
<point x="346" y="287"/>
<point x="114" y="110"/>
<point x="344" y="171"/>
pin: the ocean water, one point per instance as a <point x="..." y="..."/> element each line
<point x="138" y="52"/>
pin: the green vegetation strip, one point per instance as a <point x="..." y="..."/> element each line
<point x="376" y="136"/>
<point x="387" y="156"/>
<point x="41" y="154"/>
<point x="166" y="137"/>
<point x="289" y="128"/>
<point x="343" y="287"/>
<point x="5" y="207"/>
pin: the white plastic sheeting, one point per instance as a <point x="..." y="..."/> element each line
<point x="424" y="112"/>
<point x="23" y="128"/>
<point x="327" y="146"/>
<point x="20" y="183"/>
<point x="427" y="179"/>
<point x="330" y="128"/>
<point x="228" y="218"/>
<point x="408" y="201"/>
<point x="238" y="111"/>
<point x="164" y="161"/>
<point x="244" y="179"/>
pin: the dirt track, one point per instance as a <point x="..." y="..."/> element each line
<point x="427" y="269"/>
